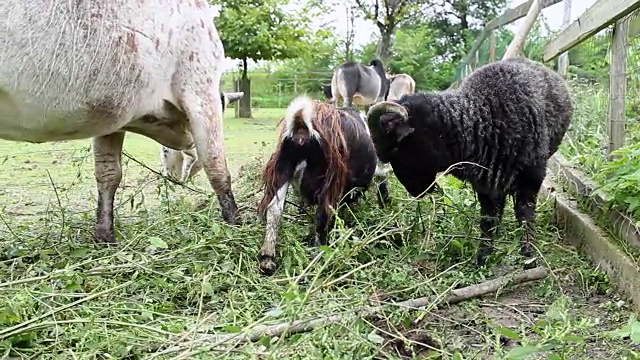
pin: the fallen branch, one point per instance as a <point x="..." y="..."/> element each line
<point x="455" y="296"/>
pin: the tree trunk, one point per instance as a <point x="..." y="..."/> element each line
<point x="245" y="86"/>
<point x="384" y="46"/>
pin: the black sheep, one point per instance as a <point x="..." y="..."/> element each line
<point x="508" y="117"/>
<point x="328" y="155"/>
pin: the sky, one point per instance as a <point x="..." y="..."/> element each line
<point x="366" y="29"/>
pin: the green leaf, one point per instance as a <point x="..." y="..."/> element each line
<point x="508" y="333"/>
<point x="635" y="332"/>
<point x="572" y="338"/>
<point x="79" y="252"/>
<point x="457" y="356"/>
<point x="231" y="329"/>
<point x="521" y="352"/>
<point x="375" y="338"/>
<point x="157" y="242"/>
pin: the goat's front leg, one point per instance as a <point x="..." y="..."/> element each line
<point x="525" y="200"/>
<point x="107" y="155"/>
<point x="322" y="222"/>
<point x="491" y="210"/>
<point x="267" y="257"/>
<point x="381" y="177"/>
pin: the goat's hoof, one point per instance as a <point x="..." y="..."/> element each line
<point x="312" y="240"/>
<point x="530" y="263"/>
<point x="230" y="212"/>
<point x="268" y="264"/>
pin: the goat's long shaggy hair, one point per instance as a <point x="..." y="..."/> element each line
<point x="330" y="131"/>
<point x="506" y="116"/>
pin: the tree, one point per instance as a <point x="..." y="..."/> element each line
<point x="388" y="17"/>
<point x="457" y="27"/>
<point x="414" y="53"/>
<point x="259" y="30"/>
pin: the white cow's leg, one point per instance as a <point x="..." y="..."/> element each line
<point x="267" y="255"/>
<point x="205" y="116"/>
<point x="107" y="154"/>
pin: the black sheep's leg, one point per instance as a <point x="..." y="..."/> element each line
<point x="491" y="210"/>
<point x="525" y="199"/>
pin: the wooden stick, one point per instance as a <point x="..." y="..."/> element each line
<point x="523" y="32"/>
<point x="455" y="296"/>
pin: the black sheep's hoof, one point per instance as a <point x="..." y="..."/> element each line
<point x="105" y="237"/>
<point x="268" y="264"/>
<point x="483" y="255"/>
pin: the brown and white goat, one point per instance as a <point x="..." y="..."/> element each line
<point x="328" y="155"/>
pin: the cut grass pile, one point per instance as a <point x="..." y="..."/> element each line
<point x="181" y="273"/>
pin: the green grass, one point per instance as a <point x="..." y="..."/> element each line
<point x="181" y="272"/>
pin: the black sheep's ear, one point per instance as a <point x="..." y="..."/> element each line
<point x="395" y="125"/>
<point x="389" y="118"/>
<point x="402" y="131"/>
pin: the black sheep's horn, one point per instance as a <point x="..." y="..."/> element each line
<point x="381" y="108"/>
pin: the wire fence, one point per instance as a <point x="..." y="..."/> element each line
<point x="278" y="89"/>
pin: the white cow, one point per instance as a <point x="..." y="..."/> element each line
<point x="97" y="69"/>
<point x="182" y="165"/>
<point x="401" y="84"/>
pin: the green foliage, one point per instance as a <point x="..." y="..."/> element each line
<point x="459" y="23"/>
<point x="620" y="179"/>
<point x="415" y="54"/>
<point x="590" y="60"/>
<point x="585" y="140"/>
<point x="261" y="30"/>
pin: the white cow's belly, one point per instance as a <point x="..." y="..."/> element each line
<point x="30" y="121"/>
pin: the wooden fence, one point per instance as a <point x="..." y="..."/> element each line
<point x="601" y="15"/>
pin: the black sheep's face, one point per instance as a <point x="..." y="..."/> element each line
<point x="413" y="172"/>
<point x="410" y="156"/>
<point x="395" y="131"/>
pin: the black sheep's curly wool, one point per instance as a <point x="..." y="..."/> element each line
<point x="505" y="121"/>
<point x="507" y="117"/>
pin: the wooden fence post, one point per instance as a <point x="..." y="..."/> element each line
<point x="492" y="46"/>
<point x="563" y="61"/>
<point x="618" y="86"/>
